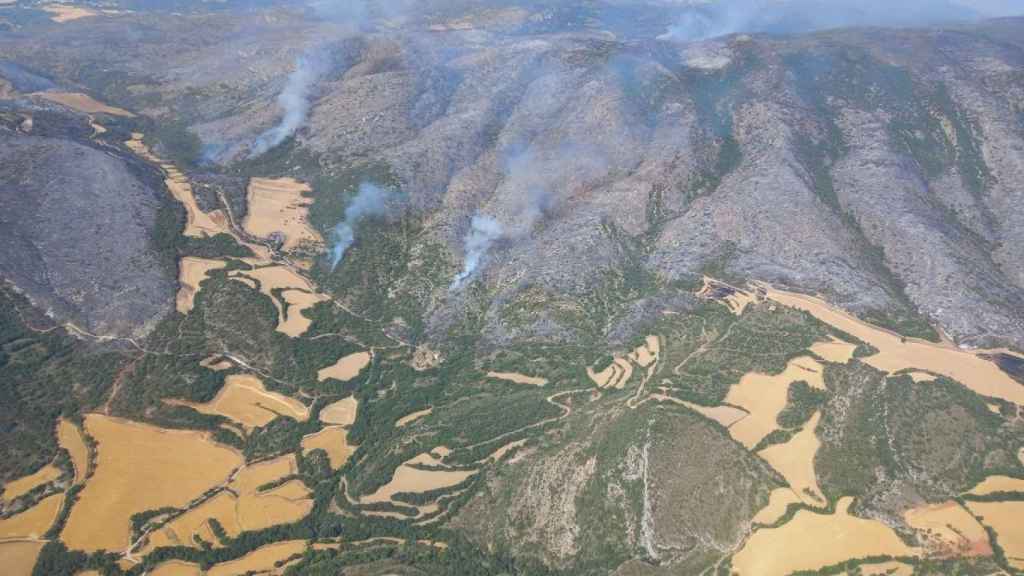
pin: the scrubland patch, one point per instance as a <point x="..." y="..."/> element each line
<point x="259" y="560"/>
<point x="948" y="530"/>
<point x="342" y="412"/>
<point x="141" y="467"/>
<point x="1006" y="519"/>
<point x="346" y="368"/>
<point x="811" y="541"/>
<point x="70" y="438"/>
<point x="82" y="102"/>
<point x="278" y="205"/>
<point x="191" y="273"/>
<point x="897" y="353"/>
<point x="245" y="400"/>
<point x="34" y="522"/>
<point x="19" y="558"/>
<point x="16" y="488"/>
<point x="334" y="441"/>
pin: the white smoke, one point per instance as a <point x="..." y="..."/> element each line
<point x="310" y="67"/>
<point x="371" y="200"/>
<point x="483" y="232"/>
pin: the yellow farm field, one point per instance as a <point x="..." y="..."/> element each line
<point x="279" y="205"/>
<point x="811" y="541"/>
<point x="897" y="353"/>
<point x="764" y="397"/>
<point x="287" y="503"/>
<point x="34" y="522"/>
<point x="249" y="479"/>
<point x="297" y="293"/>
<point x="260" y="560"/>
<point x="192" y="272"/>
<point x="778" y="501"/>
<point x="82" y="102"/>
<point x="21" y="486"/>
<point x="346" y="368"/>
<point x="342" y="412"/>
<point x="994" y="484"/>
<point x="196" y="522"/>
<point x="1006" y="519"/>
<point x="334" y="441"/>
<point x="795" y="461"/>
<point x="949" y="530"/>
<point x="245" y="400"/>
<point x="518" y="378"/>
<point x="834" y="350"/>
<point x="408" y="478"/>
<point x="70" y="438"/>
<point x="176" y="568"/>
<point x="198" y="223"/>
<point x="19" y="558"/>
<point x="139" y="468"/>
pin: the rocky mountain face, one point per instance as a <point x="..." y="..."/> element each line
<point x="880" y="167"/>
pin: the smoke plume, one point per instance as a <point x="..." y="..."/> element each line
<point x="483" y="232"/>
<point x="371" y="200"/>
<point x="294" y="99"/>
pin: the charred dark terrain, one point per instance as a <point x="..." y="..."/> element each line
<point x="524" y="190"/>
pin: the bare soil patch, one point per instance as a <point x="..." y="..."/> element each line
<point x="413" y="417"/>
<point x="64" y="13"/>
<point x="139" y="468"/>
<point x="345" y="368"/>
<point x="191" y="273"/>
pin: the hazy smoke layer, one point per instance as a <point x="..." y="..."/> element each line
<point x="294" y="100"/>
<point x="483" y="232"/>
<point x="708" y="19"/>
<point x="371" y="200"/>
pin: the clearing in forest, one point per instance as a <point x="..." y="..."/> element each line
<point x="346" y="368"/>
<point x="812" y="541"/>
<point x="245" y="400"/>
<point x="414" y="416"/>
<point x="191" y="273"/>
<point x="518" y="378"/>
<point x="141" y="467"/>
<point x="279" y="205"/>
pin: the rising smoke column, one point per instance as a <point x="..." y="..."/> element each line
<point x="483" y="232"/>
<point x="371" y="200"/>
<point x="310" y="67"/>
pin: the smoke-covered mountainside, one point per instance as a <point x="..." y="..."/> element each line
<point x="630" y="287"/>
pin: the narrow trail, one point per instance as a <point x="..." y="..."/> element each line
<point x="551" y="400"/>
